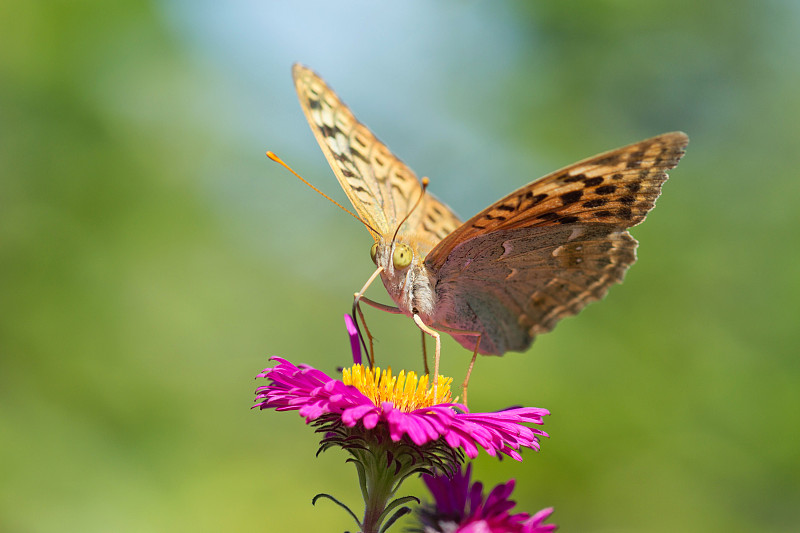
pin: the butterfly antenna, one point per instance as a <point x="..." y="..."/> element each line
<point x="425" y="182"/>
<point x="340" y="206"/>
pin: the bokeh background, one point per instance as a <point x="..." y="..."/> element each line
<point x="152" y="258"/>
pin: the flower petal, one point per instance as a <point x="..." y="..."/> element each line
<point x="352" y="332"/>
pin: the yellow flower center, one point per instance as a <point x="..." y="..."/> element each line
<point x="405" y="391"/>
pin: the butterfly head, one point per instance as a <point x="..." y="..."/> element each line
<point x="400" y="260"/>
<point x="403" y="275"/>
<point x="393" y="256"/>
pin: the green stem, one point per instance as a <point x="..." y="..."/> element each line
<point x="380" y="484"/>
<point x="382" y="466"/>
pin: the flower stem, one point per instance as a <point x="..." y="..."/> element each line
<point x="380" y="486"/>
<point x="374" y="506"/>
<point x="381" y="471"/>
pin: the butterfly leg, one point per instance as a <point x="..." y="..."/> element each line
<point x="469" y="370"/>
<point x="437" y="351"/>
<point x="453" y="331"/>
<point x="387" y="308"/>
<point x="425" y="354"/>
<point x="357" y="299"/>
<point x="382" y="307"/>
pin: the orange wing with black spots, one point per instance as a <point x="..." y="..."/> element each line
<point x="380" y="186"/>
<point x="617" y="188"/>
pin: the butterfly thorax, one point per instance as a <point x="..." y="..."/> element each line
<point x="406" y="279"/>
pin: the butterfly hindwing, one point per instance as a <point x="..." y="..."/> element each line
<point x="512" y="285"/>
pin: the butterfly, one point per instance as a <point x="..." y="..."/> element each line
<point x="515" y="269"/>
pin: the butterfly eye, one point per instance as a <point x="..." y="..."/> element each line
<point x="402" y="256"/>
<point x="373" y="253"/>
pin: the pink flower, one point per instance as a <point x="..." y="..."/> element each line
<point x="397" y="426"/>
<point x="314" y="394"/>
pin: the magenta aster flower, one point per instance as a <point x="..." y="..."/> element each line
<point x="459" y="507"/>
<point x="403" y="405"/>
<point x="393" y="426"/>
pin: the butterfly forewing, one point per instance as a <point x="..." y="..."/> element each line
<point x="617" y="188"/>
<point x="381" y="188"/>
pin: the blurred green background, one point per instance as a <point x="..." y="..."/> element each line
<point x="152" y="258"/>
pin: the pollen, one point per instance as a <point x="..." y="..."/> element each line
<point x="405" y="391"/>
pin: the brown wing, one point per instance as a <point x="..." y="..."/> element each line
<point x="617" y="188"/>
<point x="512" y="285"/>
<point x="381" y="188"/>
